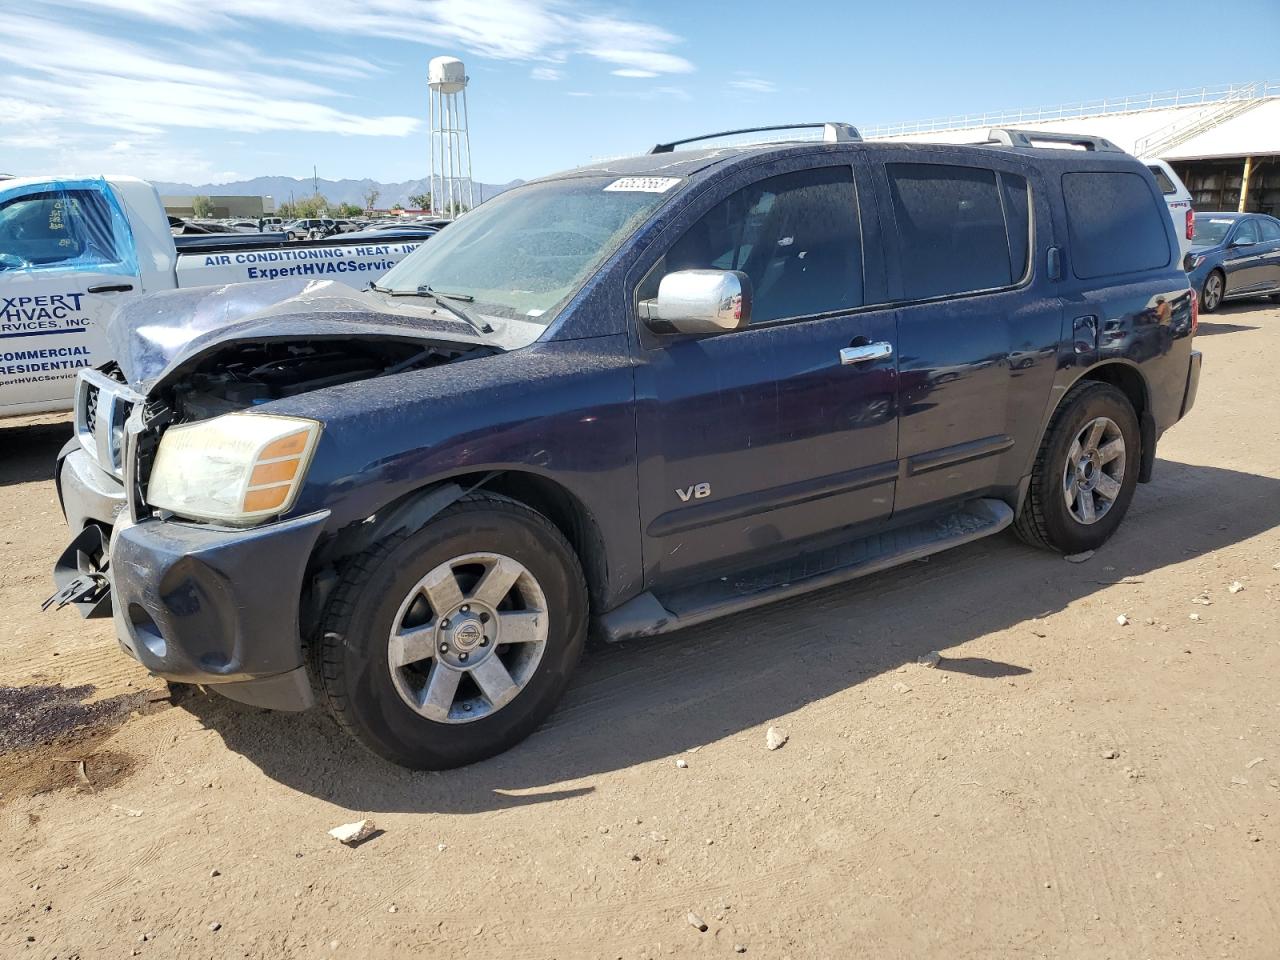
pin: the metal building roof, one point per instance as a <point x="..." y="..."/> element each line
<point x="1233" y="121"/>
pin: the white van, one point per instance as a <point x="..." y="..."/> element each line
<point x="1178" y="199"/>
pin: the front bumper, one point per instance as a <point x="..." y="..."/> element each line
<point x="200" y="604"/>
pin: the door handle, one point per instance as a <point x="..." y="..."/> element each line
<point x="868" y="351"/>
<point x="111" y="288"/>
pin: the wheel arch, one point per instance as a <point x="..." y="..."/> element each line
<point x="553" y="500"/>
<point x="1129" y="380"/>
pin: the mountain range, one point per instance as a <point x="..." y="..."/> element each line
<point x="281" y="189"/>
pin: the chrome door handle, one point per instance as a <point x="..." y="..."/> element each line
<point x="869" y="351"/>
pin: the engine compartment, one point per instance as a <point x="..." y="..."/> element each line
<point x="243" y="375"/>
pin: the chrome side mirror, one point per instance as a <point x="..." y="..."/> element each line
<point x="1242" y="243"/>
<point x="700" y="301"/>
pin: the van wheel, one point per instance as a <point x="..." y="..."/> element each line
<point x="1211" y="296"/>
<point x="452" y="643"/>
<point x="1085" y="471"/>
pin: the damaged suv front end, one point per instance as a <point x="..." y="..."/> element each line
<point x="180" y="486"/>
<point x="249" y="442"/>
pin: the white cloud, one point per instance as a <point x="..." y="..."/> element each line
<point x="546" y="73"/>
<point x="754" y="85"/>
<point x="71" y="75"/>
<point x="634" y="73"/>
<point x="501" y="29"/>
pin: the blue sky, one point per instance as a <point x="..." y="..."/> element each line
<point x="215" y="90"/>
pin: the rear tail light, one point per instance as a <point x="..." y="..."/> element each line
<point x="1191" y="224"/>
<point x="1195" y="312"/>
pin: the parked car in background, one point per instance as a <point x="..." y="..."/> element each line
<point x="1178" y="199"/>
<point x="629" y="398"/>
<point x="72" y="251"/>
<point x="313" y="228"/>
<point x="397" y="230"/>
<point x="1235" y="256"/>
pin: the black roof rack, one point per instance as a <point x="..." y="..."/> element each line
<point x="831" y="133"/>
<point x="1010" y="137"/>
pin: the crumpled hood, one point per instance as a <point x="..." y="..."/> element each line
<point x="151" y="334"/>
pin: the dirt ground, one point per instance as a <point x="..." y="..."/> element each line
<point x="1063" y="785"/>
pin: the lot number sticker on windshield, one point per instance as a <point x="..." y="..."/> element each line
<point x="644" y="184"/>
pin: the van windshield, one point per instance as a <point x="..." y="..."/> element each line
<point x="524" y="253"/>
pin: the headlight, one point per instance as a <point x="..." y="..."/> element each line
<point x="238" y="468"/>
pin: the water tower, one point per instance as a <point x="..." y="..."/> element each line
<point x="451" y="186"/>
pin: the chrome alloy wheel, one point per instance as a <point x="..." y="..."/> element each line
<point x="1212" y="292"/>
<point x="468" y="638"/>
<point x="1094" y="472"/>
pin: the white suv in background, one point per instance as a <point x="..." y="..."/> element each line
<point x="1178" y="199"/>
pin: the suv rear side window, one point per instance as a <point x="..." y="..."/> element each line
<point x="959" y="229"/>
<point x="796" y="236"/>
<point x="1115" y="223"/>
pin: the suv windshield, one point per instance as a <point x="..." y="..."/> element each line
<point x="524" y="253"/>
<point x="1211" y="230"/>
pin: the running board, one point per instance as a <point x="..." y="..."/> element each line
<point x="648" y="615"/>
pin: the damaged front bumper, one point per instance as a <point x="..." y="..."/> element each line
<point x="192" y="603"/>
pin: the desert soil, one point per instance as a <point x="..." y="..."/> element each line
<point x="1061" y="785"/>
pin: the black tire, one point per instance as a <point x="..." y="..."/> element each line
<point x="1045" y="520"/>
<point x="1209" y="300"/>
<point x="351" y="651"/>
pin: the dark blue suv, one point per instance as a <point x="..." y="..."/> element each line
<point x="622" y="400"/>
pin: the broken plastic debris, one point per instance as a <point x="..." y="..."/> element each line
<point x="1236" y="587"/>
<point x="682" y="764"/>
<point x="1078" y="557"/>
<point x="1122" y="620"/>
<point x="696" y="922"/>
<point x="775" y="738"/>
<point x="353" y="833"/>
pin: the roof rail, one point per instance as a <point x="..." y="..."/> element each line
<point x="831" y="133"/>
<point x="1010" y="137"/>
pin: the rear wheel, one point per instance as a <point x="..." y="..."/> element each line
<point x="1215" y="286"/>
<point x="1085" y="472"/>
<point x="453" y="643"/>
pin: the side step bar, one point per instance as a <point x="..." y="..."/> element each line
<point x="648" y="616"/>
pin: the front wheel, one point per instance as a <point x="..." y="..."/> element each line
<point x="1215" y="286"/>
<point x="1085" y="472"/>
<point x="451" y="644"/>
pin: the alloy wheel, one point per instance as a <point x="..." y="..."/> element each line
<point x="1094" y="472"/>
<point x="1212" y="292"/>
<point x="468" y="638"/>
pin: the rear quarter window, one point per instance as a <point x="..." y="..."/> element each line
<point x="1162" y="181"/>
<point x="1115" y="223"/>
